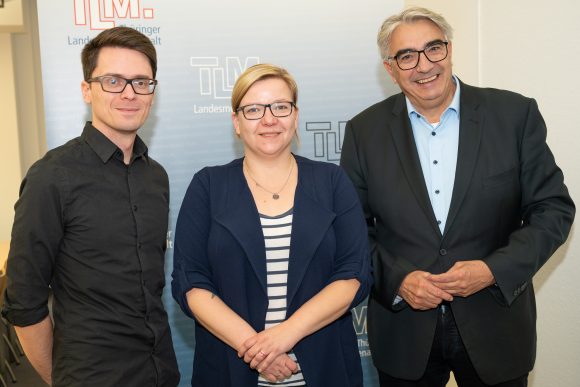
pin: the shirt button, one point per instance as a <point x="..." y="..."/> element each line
<point x="442" y="252"/>
<point x="139" y="245"/>
<point x="438" y="222"/>
<point x="435" y="162"/>
<point x="437" y="191"/>
<point x="433" y="133"/>
<point x="135" y="208"/>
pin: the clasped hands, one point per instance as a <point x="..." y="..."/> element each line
<point x="267" y="353"/>
<point x="423" y="290"/>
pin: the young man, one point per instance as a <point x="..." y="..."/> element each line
<point x="464" y="204"/>
<point x="91" y="225"/>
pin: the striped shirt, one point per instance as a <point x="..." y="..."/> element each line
<point x="277" y="232"/>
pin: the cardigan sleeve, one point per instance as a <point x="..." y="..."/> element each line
<point x="191" y="268"/>
<point x="352" y="258"/>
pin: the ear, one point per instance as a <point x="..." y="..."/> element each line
<point x="236" y="122"/>
<point x="389" y="67"/>
<point x="86" y="90"/>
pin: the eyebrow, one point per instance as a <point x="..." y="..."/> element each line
<point x="428" y="44"/>
<point x="264" y="104"/>
<point x="139" y="76"/>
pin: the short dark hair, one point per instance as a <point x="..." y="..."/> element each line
<point x="123" y="37"/>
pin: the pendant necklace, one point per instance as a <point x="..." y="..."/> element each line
<point x="275" y="195"/>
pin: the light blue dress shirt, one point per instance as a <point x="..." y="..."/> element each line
<point x="437" y="148"/>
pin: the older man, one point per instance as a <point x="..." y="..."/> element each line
<point x="464" y="204"/>
<point x="91" y="224"/>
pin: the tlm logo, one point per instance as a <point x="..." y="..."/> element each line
<point x="100" y="14"/>
<point x="327" y="142"/>
<point x="218" y="81"/>
<point x="359" y="319"/>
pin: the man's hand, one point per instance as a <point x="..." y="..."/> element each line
<point x="464" y="278"/>
<point x="420" y="293"/>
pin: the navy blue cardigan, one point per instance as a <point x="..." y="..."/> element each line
<point x="219" y="246"/>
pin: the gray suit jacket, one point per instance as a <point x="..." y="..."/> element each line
<point x="509" y="207"/>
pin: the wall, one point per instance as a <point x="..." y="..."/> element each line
<point x="11" y="21"/>
<point x="9" y="151"/>
<point x="21" y="110"/>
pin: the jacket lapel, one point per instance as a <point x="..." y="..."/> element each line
<point x="409" y="158"/>
<point x="310" y="224"/>
<point x="240" y="217"/>
<point x="470" y="124"/>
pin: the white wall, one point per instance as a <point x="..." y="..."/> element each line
<point x="533" y="47"/>
<point x="9" y="150"/>
<point x="22" y="125"/>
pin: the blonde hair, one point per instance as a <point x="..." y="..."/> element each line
<point x="409" y="15"/>
<point x="257" y="73"/>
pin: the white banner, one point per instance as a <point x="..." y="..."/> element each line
<point x="329" y="46"/>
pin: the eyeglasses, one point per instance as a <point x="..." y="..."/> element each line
<point x="409" y="59"/>
<point x="256" y="111"/>
<point x="115" y="84"/>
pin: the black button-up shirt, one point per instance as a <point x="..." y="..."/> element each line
<point x="94" y="230"/>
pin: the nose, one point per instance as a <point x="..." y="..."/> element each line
<point x="268" y="116"/>
<point x="424" y="64"/>
<point x="128" y="92"/>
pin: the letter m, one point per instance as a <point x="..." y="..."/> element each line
<point x="121" y="8"/>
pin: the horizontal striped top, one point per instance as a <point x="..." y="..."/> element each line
<point x="277" y="232"/>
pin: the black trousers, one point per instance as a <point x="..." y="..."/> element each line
<point x="447" y="354"/>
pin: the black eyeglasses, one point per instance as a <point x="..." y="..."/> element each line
<point x="256" y="111"/>
<point x="115" y="84"/>
<point x="409" y="59"/>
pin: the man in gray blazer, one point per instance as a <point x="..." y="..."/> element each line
<point x="464" y="203"/>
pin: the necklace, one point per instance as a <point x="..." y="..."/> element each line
<point x="275" y="195"/>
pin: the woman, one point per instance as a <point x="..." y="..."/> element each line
<point x="271" y="253"/>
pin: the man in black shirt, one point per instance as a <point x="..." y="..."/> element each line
<point x="91" y="225"/>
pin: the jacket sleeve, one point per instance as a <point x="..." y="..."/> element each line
<point x="191" y="268"/>
<point x="547" y="211"/>
<point x="388" y="271"/>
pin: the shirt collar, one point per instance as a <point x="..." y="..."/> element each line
<point x="106" y="149"/>
<point x="454" y="105"/>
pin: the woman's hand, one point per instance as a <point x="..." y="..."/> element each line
<point x="261" y="350"/>
<point x="281" y="368"/>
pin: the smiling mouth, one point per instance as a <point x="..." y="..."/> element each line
<point x="128" y="110"/>
<point x="427" y="80"/>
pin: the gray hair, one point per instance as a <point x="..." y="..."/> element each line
<point x="409" y="15"/>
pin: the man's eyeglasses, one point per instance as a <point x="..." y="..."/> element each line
<point x="256" y="111"/>
<point x="115" y="84"/>
<point x="409" y="59"/>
